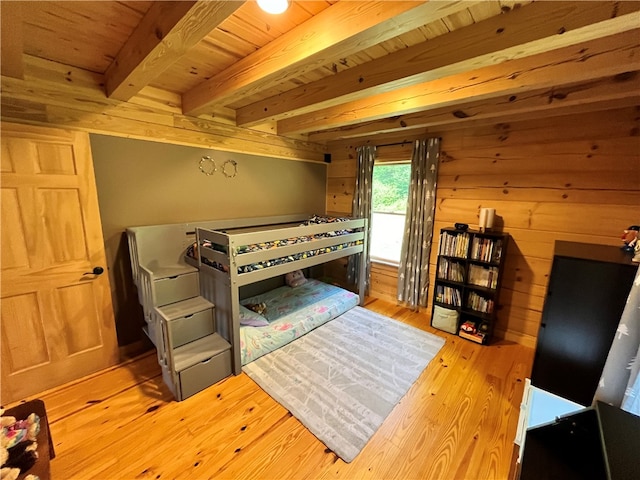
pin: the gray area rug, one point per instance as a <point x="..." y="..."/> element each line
<point x="342" y="379"/>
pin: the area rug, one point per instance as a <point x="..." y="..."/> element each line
<point x="342" y="379"/>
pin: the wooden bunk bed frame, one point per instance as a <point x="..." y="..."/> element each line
<point x="223" y="288"/>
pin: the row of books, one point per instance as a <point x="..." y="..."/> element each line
<point x="479" y="304"/>
<point x="486" y="249"/>
<point x="448" y="295"/>
<point x="483" y="277"/>
<point x="454" y="245"/>
<point x="449" y="270"/>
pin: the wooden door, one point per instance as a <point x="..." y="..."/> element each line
<point x="57" y="321"/>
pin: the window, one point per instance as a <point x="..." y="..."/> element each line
<point x="390" y="191"/>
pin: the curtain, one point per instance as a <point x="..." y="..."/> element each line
<point x="362" y="209"/>
<point x="413" y="272"/>
<point x="620" y="381"/>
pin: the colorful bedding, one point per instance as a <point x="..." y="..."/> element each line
<point x="316" y="219"/>
<point x="292" y="312"/>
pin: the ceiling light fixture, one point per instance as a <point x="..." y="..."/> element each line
<point x="273" y="6"/>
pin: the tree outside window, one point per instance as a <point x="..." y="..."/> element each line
<point x="390" y="191"/>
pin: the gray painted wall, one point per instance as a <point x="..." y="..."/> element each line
<point x="148" y="183"/>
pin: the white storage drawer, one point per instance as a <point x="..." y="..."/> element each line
<point x="174" y="289"/>
<point x="204" y="374"/>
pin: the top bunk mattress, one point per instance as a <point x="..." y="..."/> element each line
<point x="290" y="313"/>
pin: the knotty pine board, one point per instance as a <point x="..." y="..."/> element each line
<point x="571" y="177"/>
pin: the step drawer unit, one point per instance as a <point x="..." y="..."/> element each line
<point x="166" y="286"/>
<point x="193" y="356"/>
<point x="174" y="289"/>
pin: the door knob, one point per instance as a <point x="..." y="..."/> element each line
<point x="95" y="271"/>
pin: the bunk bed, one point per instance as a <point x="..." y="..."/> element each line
<point x="196" y="279"/>
<point x="245" y="265"/>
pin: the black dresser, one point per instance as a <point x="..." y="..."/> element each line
<point x="586" y="295"/>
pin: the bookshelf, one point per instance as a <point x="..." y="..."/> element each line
<point x="467" y="286"/>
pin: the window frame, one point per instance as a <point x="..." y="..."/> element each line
<point x="380" y="260"/>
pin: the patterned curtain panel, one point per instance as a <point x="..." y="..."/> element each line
<point x="362" y="206"/>
<point x="413" y="272"/>
<point x="620" y="382"/>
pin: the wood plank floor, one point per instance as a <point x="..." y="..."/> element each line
<point x="458" y="421"/>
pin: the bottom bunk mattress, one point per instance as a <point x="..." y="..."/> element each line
<point x="287" y="313"/>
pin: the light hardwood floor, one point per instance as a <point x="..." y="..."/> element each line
<point x="458" y="421"/>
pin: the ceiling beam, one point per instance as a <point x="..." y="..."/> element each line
<point x="166" y="32"/>
<point x="529" y="30"/>
<point x="11" y="40"/>
<point x="618" y="91"/>
<point x="608" y="56"/>
<point x="340" y="30"/>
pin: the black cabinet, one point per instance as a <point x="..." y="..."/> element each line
<point x="587" y="292"/>
<point x="599" y="442"/>
<point x="468" y="278"/>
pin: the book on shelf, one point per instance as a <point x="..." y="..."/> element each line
<point x="479" y="304"/>
<point x="483" y="276"/>
<point x="454" y="244"/>
<point x="448" y="295"/>
<point x="486" y="249"/>
<point x="497" y="251"/>
<point x="450" y="270"/>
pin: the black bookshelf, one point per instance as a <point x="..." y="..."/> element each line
<point x="469" y="273"/>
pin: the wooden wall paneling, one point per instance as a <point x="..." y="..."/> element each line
<point x="593" y="160"/>
<point x="604" y="197"/>
<point x="552" y="217"/>
<point x="340" y="194"/>
<point x="605" y="142"/>
<point x="384" y="281"/>
<point x="397" y="152"/>
<point x="571" y="177"/>
<point x="593" y="126"/>
<point x="584" y="179"/>
<point x="342" y="166"/>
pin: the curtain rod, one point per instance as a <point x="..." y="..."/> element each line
<point x="397" y="143"/>
<point x="401" y="143"/>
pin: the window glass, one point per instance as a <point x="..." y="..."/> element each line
<point x="390" y="190"/>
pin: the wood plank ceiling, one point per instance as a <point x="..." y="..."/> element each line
<point x="328" y="70"/>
